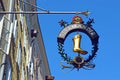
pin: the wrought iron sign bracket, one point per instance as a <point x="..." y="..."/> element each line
<point x="86" y="13"/>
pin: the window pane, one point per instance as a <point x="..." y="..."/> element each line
<point x="1" y="7"/>
<point x="19" y="55"/>
<point x="4" y="34"/>
<point x="9" y="71"/>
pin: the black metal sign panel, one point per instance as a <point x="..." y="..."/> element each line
<point x="78" y="27"/>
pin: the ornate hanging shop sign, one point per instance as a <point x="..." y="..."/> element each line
<point x="77" y="25"/>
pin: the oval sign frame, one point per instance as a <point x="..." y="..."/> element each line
<point x="81" y="28"/>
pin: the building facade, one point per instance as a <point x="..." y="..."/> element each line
<point x="22" y="52"/>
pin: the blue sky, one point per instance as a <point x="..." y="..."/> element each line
<point x="106" y="16"/>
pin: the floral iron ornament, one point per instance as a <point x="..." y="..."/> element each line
<point x="78" y="25"/>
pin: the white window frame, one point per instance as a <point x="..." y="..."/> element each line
<point x="7" y="27"/>
<point x="15" y="29"/>
<point x="1" y="26"/>
<point x="9" y="38"/>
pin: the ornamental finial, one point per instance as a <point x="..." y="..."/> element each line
<point x="77" y="20"/>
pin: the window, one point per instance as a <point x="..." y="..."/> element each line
<point x="24" y="52"/>
<point x="1" y="56"/>
<point x="31" y="68"/>
<point x="1" y="6"/>
<point x="21" y="5"/>
<point x="1" y="9"/>
<point x="19" y="54"/>
<point x="23" y="73"/>
<point x="4" y="33"/>
<point x="8" y="70"/>
<point x="1" y="25"/>
<point x="25" y="38"/>
<point x="25" y="5"/>
<point x="15" y="29"/>
<point x="21" y="15"/>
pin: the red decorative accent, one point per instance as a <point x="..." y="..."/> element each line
<point x="77" y="20"/>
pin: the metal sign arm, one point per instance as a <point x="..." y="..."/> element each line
<point x="86" y="13"/>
